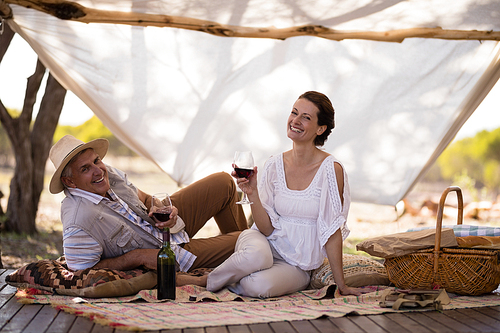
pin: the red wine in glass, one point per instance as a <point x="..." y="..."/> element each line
<point x="243" y="173"/>
<point x="161" y="206"/>
<point x="162" y="216"/>
<point x="243" y="167"/>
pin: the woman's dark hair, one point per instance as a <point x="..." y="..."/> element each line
<point x="326" y="114"/>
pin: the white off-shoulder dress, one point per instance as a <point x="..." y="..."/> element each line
<point x="303" y="222"/>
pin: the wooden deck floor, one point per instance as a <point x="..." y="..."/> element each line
<point x="16" y="317"/>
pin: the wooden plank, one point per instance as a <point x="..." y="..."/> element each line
<point x="475" y="314"/>
<point x="433" y="322"/>
<point x="22" y="318"/>
<point x="101" y="329"/>
<point x="407" y="322"/>
<point x="212" y="329"/>
<point x="4" y="298"/>
<point x="6" y="290"/>
<point x="345" y="324"/>
<point x="42" y="320"/>
<point x="447" y="323"/>
<point x="490" y="312"/>
<point x="62" y="323"/>
<point x="4" y="287"/>
<point x="304" y="326"/>
<point x="496" y="308"/>
<point x="9" y="310"/>
<point x="3" y="274"/>
<point x="282" y="327"/>
<point x="238" y="329"/>
<point x="387" y="324"/>
<point x="194" y="330"/>
<point x="366" y="324"/>
<point x="81" y="325"/>
<point x="260" y="328"/>
<point x="161" y="331"/>
<point x="324" y="324"/>
<point x="473" y="323"/>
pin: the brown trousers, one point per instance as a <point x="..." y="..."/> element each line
<point x="214" y="196"/>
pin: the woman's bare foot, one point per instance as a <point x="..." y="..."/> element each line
<point x="185" y="279"/>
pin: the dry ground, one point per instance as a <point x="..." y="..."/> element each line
<point x="365" y="220"/>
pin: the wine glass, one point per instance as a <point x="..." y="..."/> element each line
<point x="161" y="206"/>
<point x="243" y="166"/>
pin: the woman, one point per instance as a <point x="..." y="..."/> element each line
<point x="300" y="211"/>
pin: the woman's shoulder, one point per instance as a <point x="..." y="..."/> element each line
<point x="330" y="159"/>
<point x="327" y="159"/>
<point x="274" y="160"/>
<point x="273" y="168"/>
<point x="332" y="167"/>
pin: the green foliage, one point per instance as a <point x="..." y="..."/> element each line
<point x="473" y="162"/>
<point x="90" y="130"/>
<point x="493" y="150"/>
<point x="467" y="183"/>
<point x="349" y="246"/>
<point x="93" y="129"/>
<point x="433" y="174"/>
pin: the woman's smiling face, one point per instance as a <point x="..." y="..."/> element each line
<point x="303" y="122"/>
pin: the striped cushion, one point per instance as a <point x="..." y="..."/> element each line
<point x="53" y="276"/>
<point x="358" y="271"/>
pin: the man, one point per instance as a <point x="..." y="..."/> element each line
<point x="106" y="222"/>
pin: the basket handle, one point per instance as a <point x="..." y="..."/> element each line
<point x="439" y="224"/>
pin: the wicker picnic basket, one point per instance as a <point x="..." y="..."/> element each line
<point x="460" y="271"/>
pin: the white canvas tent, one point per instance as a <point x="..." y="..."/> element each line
<point x="188" y="99"/>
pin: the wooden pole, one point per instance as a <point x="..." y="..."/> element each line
<point x="67" y="10"/>
<point x="5" y="11"/>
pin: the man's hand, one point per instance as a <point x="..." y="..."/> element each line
<point x="167" y="224"/>
<point x="146" y="199"/>
<point x="131" y="260"/>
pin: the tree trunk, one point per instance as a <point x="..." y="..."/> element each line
<point x="5" y="40"/>
<point x="43" y="131"/>
<point x="31" y="149"/>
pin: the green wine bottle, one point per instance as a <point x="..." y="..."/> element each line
<point x="166" y="269"/>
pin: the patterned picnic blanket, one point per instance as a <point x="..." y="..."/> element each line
<point x="195" y="307"/>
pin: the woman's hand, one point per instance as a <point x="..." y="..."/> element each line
<point x="260" y="216"/>
<point x="333" y="249"/>
<point x="345" y="291"/>
<point x="167" y="224"/>
<point x="249" y="186"/>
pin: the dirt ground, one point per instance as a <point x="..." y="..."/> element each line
<point x="365" y="220"/>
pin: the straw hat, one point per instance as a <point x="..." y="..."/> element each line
<point x="64" y="150"/>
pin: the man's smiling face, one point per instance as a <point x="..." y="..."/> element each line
<point x="88" y="173"/>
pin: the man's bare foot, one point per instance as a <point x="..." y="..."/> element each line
<point x="185" y="279"/>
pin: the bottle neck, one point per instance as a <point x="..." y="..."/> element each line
<point x="166" y="236"/>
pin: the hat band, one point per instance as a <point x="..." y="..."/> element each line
<point x="72" y="150"/>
